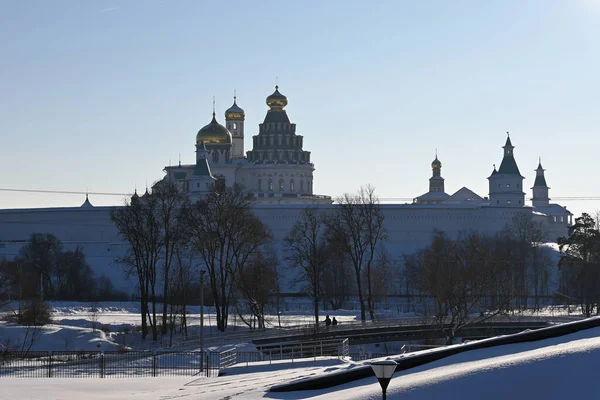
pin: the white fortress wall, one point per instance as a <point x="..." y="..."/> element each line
<point x="409" y="228"/>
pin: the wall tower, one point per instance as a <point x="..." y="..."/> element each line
<point x="540" y="188"/>
<point x="506" y="184"/>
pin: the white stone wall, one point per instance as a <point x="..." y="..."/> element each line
<point x="409" y="228"/>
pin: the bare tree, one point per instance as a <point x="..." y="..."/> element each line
<point x="304" y="248"/>
<point x="141" y="229"/>
<point x="384" y="276"/>
<point x="6" y="282"/>
<point x="461" y="275"/>
<point x="225" y="234"/>
<point x="169" y="203"/>
<point x="94" y="315"/>
<point x="258" y="284"/>
<point x="40" y="254"/>
<point x="359" y="220"/>
<point x="183" y="283"/>
<point x="337" y="280"/>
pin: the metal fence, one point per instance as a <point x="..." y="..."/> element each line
<point x="95" y="364"/>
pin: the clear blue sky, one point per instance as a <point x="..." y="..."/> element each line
<point x="100" y="95"/>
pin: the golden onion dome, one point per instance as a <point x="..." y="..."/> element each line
<point x="277" y="101"/>
<point x="214" y="133"/>
<point x="235" y="112"/>
<point x="436" y="163"/>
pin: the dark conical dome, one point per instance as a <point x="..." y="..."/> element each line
<point x="214" y="133"/>
<point x="277" y="101"/>
<point x="235" y="112"/>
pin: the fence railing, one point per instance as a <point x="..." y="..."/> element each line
<point x="97" y="364"/>
<point x="222" y="338"/>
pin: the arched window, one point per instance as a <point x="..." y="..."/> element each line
<point x="215" y="156"/>
<point x="270" y="185"/>
<point x="281" y="189"/>
<point x="301" y="186"/>
<point x="234" y="125"/>
<point x="292" y="188"/>
<point x="259" y="185"/>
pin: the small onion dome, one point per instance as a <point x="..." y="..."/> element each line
<point x="135" y="196"/>
<point x="214" y="133"/>
<point x="436" y="163"/>
<point x="235" y="112"/>
<point x="277" y="101"/>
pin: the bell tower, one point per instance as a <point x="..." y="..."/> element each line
<point x="234" y="121"/>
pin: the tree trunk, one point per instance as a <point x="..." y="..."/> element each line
<point x="370" y="295"/>
<point x="165" y="302"/>
<point x="361" y="299"/>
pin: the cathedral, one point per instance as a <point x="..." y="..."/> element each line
<point x="278" y="173"/>
<point x="276" y="170"/>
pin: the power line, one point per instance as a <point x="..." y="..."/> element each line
<point x="48" y="191"/>
<point x="64" y="192"/>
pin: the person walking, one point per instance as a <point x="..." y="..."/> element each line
<point x="327" y="321"/>
<point x="334" y="322"/>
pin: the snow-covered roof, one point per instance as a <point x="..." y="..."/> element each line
<point x="463" y="195"/>
<point x="553" y="209"/>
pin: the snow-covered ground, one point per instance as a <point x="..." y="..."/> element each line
<point x="557" y="368"/>
<point x="118" y="325"/>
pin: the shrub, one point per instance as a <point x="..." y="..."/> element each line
<point x="105" y="328"/>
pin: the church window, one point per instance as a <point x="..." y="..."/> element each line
<point x="499" y="185"/>
<point x="215" y="156"/>
<point x="260" y="185"/>
<point x="270" y="184"/>
<point x="198" y="185"/>
<point x="292" y="186"/>
<point x="281" y="185"/>
<point x="301" y="186"/>
<point x="234" y="125"/>
<point x="554" y="219"/>
<point x="508" y="185"/>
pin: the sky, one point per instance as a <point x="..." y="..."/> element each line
<point x="100" y="95"/>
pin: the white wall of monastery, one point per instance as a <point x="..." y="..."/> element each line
<point x="409" y="228"/>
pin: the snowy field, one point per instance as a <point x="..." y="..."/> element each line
<point x="557" y="368"/>
<point x="118" y="326"/>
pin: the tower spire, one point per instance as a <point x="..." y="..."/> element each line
<point x="213" y="106"/>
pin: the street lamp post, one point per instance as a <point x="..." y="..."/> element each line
<point x="383" y="371"/>
<point x="202" y="318"/>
